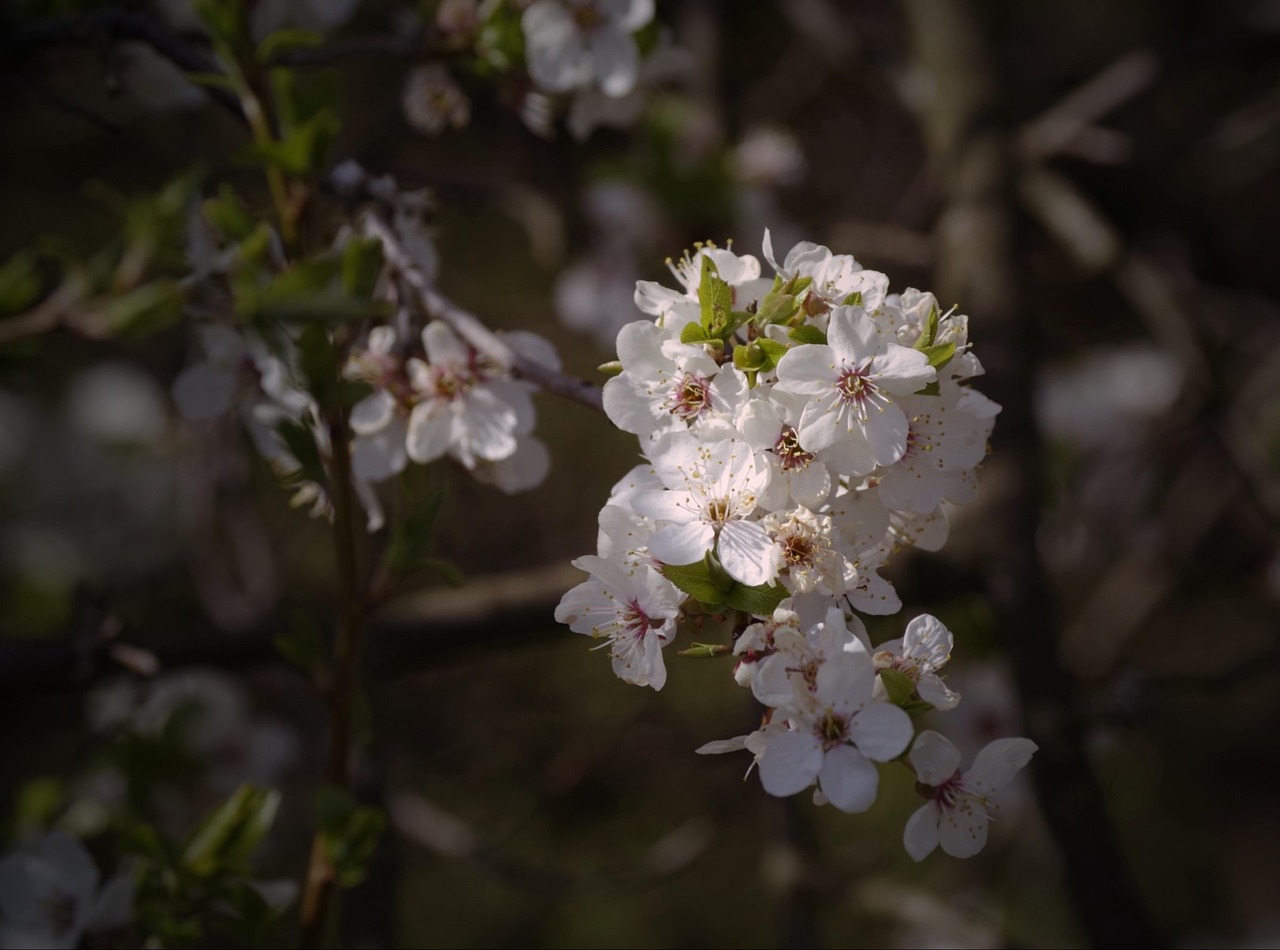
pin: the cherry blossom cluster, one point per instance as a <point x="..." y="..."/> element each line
<point x="798" y="431"/>
<point x="429" y="393"/>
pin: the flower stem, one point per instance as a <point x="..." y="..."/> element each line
<point x="319" y="882"/>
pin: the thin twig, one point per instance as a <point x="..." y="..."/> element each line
<point x="472" y="330"/>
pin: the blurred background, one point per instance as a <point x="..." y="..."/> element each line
<point x="1095" y="184"/>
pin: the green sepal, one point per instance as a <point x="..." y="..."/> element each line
<point x="227" y="838"/>
<point x="749" y="357"/>
<point x="797" y="285"/>
<point x="705" y="651"/>
<point x="776" y="308"/>
<point x="773" y="350"/>
<point x="806" y="333"/>
<point x="761" y="600"/>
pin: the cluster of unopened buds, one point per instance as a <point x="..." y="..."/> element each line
<point x="798" y="430"/>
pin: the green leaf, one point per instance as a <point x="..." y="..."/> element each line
<point x="224" y="19"/>
<point x="350" y="832"/>
<point x="229" y="215"/>
<point x="898" y="686"/>
<point x="283" y="40"/>
<point x="760" y="600"/>
<point x="807" y="334"/>
<point x="696" y="581"/>
<point x="310" y="291"/>
<point x="137" y="313"/>
<point x="19" y="282"/>
<point x="613" y="367"/>
<point x="411" y="537"/>
<point x="227" y="838"/>
<point x="853" y="300"/>
<point x="212" y="81"/>
<point x="304" y="646"/>
<point x="300" y="151"/>
<point x="449" y="572"/>
<point x="361" y="265"/>
<point x="692" y="333"/>
<point x="930" y="332"/>
<point x="146" y="841"/>
<point x="301" y="443"/>
<point x="933" y="389"/>
<point x="940" y="354"/>
<point x="715" y="297"/>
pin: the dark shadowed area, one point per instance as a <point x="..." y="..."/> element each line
<point x="1095" y="184"/>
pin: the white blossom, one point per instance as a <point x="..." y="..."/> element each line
<point x="958" y="812"/>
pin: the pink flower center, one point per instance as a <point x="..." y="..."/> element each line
<point x="448" y="384"/>
<point x="788" y="450"/>
<point x="855" y="385"/>
<point x="690" y="397"/>
<point x="947" y="795"/>
<point x="833" y="730"/>
<point x="636" y="622"/>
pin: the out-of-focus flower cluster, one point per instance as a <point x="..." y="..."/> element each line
<point x="799" y="431"/>
<point x="417" y="391"/>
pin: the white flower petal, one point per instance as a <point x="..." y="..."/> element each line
<point x="881" y="731"/>
<point x="615" y="61"/>
<point x="934" y="758"/>
<point x="921" y="834"/>
<point x="372" y="412"/>
<point x="790" y="763"/>
<point x="996" y="765"/>
<point x="962" y="830"/>
<point x="429" y="431"/>
<point x="682" y="544"/>
<point x="848" y="780"/>
<point x="748" y="554"/>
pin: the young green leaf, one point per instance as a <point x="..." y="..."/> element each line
<point x="807" y="334"/>
<point x="715" y="297"/>
<point x="227" y="839"/>
<point x="760" y="600"/>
